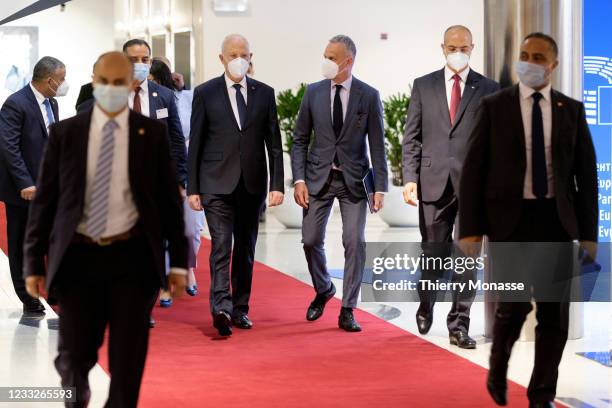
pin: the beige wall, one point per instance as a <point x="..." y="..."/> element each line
<point x="288" y="37"/>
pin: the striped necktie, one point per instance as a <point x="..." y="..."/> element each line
<point x="100" y="189"/>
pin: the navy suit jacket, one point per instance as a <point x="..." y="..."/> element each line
<point x="23" y="136"/>
<point x="161" y="97"/>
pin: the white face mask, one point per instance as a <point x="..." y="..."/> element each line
<point x="62" y="89"/>
<point x="531" y="75"/>
<point x="238" y="67"/>
<point x="457" y="60"/>
<point x="329" y="68"/>
<point x="111" y="98"/>
<point x="141" y="71"/>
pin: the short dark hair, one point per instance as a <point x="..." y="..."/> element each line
<point x="46" y="67"/>
<point x="161" y="74"/>
<point x="551" y="41"/>
<point x="136" y="41"/>
<point x="349" y="44"/>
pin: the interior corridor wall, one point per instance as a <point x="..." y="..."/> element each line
<point x="288" y="37"/>
<point x="77" y="36"/>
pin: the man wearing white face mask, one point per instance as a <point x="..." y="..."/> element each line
<point x="344" y="115"/>
<point x="530" y="176"/>
<point x="100" y="218"/>
<point x="441" y="117"/>
<point x="233" y="123"/>
<point x="25" y="119"/>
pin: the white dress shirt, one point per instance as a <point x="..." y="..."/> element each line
<point x="450" y="82"/>
<point x="40" y="98"/>
<point x="232" y="95"/>
<point x="122" y="212"/>
<point x="344" y="96"/>
<point x="144" y="99"/>
<point x="526" y="101"/>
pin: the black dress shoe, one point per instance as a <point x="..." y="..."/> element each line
<point x="424" y="319"/>
<point x="545" y="404"/>
<point x="346" y="320"/>
<point x="497" y="390"/>
<point x="462" y="340"/>
<point x="34" y="310"/>
<point x="223" y="323"/>
<point x="151" y="322"/>
<point x="242" y="321"/>
<point x="315" y="310"/>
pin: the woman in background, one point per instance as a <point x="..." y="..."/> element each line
<point x="194" y="220"/>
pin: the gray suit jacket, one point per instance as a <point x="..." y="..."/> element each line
<point x="433" y="149"/>
<point x="364" y="119"/>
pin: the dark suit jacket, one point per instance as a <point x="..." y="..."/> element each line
<point x="57" y="208"/>
<point x="219" y="152"/>
<point x="85" y="94"/>
<point x="433" y="149"/>
<point x="364" y="119"/>
<point x="161" y="97"/>
<point x="23" y="136"/>
<point x="494" y="170"/>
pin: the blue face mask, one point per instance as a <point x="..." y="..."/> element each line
<point x="532" y="75"/>
<point x="141" y="71"/>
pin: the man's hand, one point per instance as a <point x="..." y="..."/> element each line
<point x="410" y="194"/>
<point x="301" y="195"/>
<point x="35" y="285"/>
<point x="179" y="81"/>
<point x="275" y="198"/>
<point x="28" y="193"/>
<point x="590" y="248"/>
<point x="183" y="192"/>
<point x="470" y="246"/>
<point x="195" y="203"/>
<point x="379" y="199"/>
<point x="176" y="284"/>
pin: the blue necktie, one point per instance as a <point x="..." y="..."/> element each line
<point x="538" y="155"/>
<point x="241" y="104"/>
<point x="50" y="116"/>
<point x="100" y="189"/>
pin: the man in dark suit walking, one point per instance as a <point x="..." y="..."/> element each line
<point x="440" y="119"/>
<point x="530" y="177"/>
<point x="344" y="114"/>
<point x="233" y="122"/>
<point x="25" y="119"/>
<point x="101" y="216"/>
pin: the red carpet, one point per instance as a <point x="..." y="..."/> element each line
<point x="285" y="361"/>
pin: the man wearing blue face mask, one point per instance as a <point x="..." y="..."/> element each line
<point x="530" y="177"/>
<point x="441" y="117"/>
<point x="100" y="219"/>
<point x="25" y="119"/>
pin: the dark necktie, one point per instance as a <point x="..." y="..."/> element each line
<point x="338" y="119"/>
<point x="455" y="98"/>
<point x="538" y="155"/>
<point x="50" y="117"/>
<point x="137" y="107"/>
<point x="240" y="104"/>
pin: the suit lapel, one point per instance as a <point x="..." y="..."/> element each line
<point x="135" y="151"/>
<point x="440" y="91"/>
<point x="470" y="89"/>
<point x="153" y="100"/>
<point x="557" y="114"/>
<point x="354" y="99"/>
<point x="323" y="102"/>
<point x="251" y="98"/>
<point x="225" y="96"/>
<point x="519" y="128"/>
<point x="81" y="146"/>
<point x="55" y="109"/>
<point x="32" y="98"/>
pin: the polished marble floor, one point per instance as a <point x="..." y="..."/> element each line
<point x="28" y="347"/>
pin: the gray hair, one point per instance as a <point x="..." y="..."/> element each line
<point x="46" y="67"/>
<point x="231" y="37"/>
<point x="348" y="43"/>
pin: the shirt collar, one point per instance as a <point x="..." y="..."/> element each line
<point x="144" y="86"/>
<point x="346" y="84"/>
<point x="40" y="98"/>
<point x="526" y="92"/>
<point x="449" y="74"/>
<point x="229" y="83"/>
<point x="99" y="118"/>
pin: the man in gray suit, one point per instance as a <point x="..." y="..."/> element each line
<point x="441" y="117"/>
<point x="342" y="112"/>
